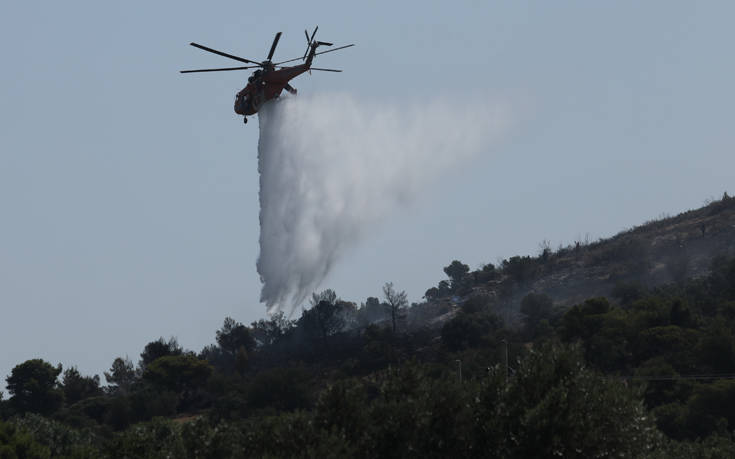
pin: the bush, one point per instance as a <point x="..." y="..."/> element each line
<point x="280" y="388"/>
<point x="469" y="330"/>
<point x="16" y="442"/>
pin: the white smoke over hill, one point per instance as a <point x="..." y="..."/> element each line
<point x="331" y="167"/>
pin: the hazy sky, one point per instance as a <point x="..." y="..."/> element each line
<point x="129" y="192"/>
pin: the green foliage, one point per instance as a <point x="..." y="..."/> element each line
<point x="280" y="388"/>
<point x="372" y="311"/>
<point x="520" y="269"/>
<point x="378" y="349"/>
<point x="157" y="349"/>
<point x="178" y="372"/>
<point x="322" y="321"/>
<point x="269" y="332"/>
<point x="34" y="387"/>
<point x="554" y="406"/>
<point x="477" y="304"/>
<point x="444" y="288"/>
<point x="713" y="447"/>
<point x="628" y="292"/>
<point x="121" y="375"/>
<point x="670" y="341"/>
<point x="235" y="344"/>
<point x="716" y="347"/>
<point x="77" y="387"/>
<point x="469" y="330"/>
<point x="486" y="274"/>
<point x="157" y="438"/>
<point x="431" y="294"/>
<point x="711" y="408"/>
<point x="338" y="383"/>
<point x="17" y="443"/>
<point x="457" y="273"/>
<point x="234" y="335"/>
<point x="60" y="439"/>
<point x="536" y="307"/>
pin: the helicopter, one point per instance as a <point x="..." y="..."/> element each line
<point x="271" y="78"/>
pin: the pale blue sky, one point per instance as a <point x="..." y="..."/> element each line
<point x="129" y="192"/>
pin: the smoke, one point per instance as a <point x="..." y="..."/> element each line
<point x="332" y="166"/>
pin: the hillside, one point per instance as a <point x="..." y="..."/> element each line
<point x="669" y="249"/>
<point x="622" y="347"/>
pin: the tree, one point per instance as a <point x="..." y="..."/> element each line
<point x="178" y="372"/>
<point x="372" y="311"/>
<point x="396" y="301"/>
<point x="487" y="273"/>
<point x="554" y="406"/>
<point x="281" y="388"/>
<point x="268" y="332"/>
<point x="468" y="330"/>
<point x="122" y="374"/>
<point x="16" y="442"/>
<point x="520" y="269"/>
<point x="77" y="387"/>
<point x="457" y="272"/>
<point x="157" y="349"/>
<point x="327" y="295"/>
<point x="323" y="320"/>
<point x="234" y="335"/>
<point x="34" y="387"/>
<point x="443" y="288"/>
<point x="431" y="294"/>
<point x="536" y="307"/>
<point x="241" y="361"/>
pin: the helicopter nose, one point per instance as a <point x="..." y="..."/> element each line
<point x="239" y="106"/>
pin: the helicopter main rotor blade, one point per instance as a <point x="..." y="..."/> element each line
<point x="241" y="59"/>
<point x="325" y="70"/>
<point x="219" y="70"/>
<point x="323" y="52"/>
<point x="334" y="49"/>
<point x="273" y="46"/>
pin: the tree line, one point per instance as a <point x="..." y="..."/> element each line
<point x="643" y="372"/>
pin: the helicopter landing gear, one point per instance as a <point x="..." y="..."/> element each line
<point x="245" y="119"/>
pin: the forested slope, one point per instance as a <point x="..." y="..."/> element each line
<point x="620" y="347"/>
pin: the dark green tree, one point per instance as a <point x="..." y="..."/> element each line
<point x="628" y="292"/>
<point x="431" y="294"/>
<point x="34" y="387"/>
<point x="457" y="272"/>
<point x="535" y="307"/>
<point x="444" y="288"/>
<point x="554" y="406"/>
<point x="17" y="443"/>
<point x="328" y="295"/>
<point x="322" y="320"/>
<point x="520" y="269"/>
<point x="281" y="388"/>
<point x="77" y="387"/>
<point x="268" y="332"/>
<point x="487" y="273"/>
<point x="157" y="349"/>
<point x="469" y="330"/>
<point x="121" y="375"/>
<point x="178" y="372"/>
<point x="372" y="311"/>
<point x="233" y="335"/>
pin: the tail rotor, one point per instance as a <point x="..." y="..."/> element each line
<point x="310" y="40"/>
